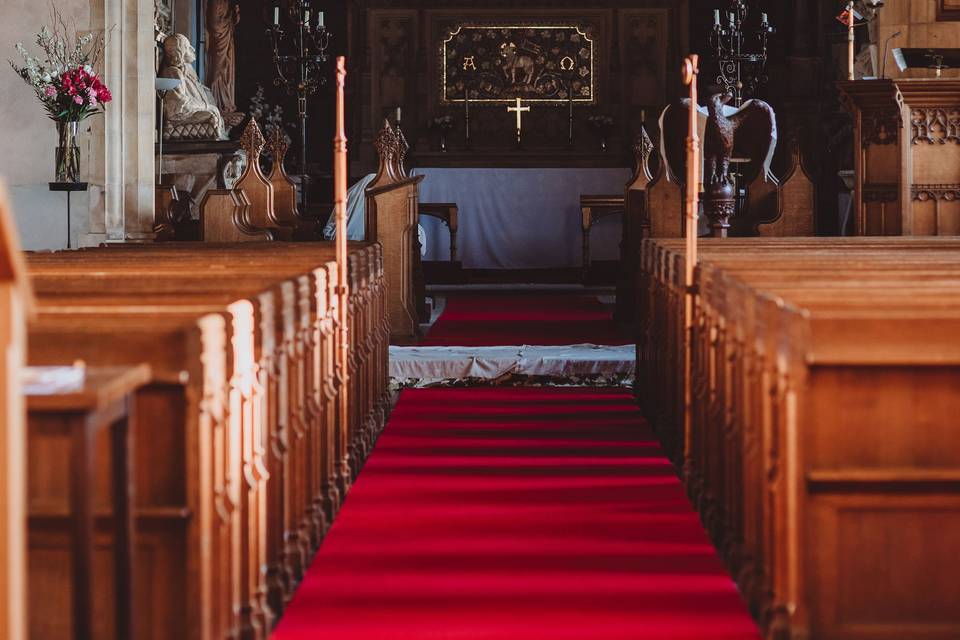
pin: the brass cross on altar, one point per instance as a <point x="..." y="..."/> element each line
<point x="519" y="111"/>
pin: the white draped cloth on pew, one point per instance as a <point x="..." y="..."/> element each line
<point x="521" y="218"/>
<point x="356" y="218"/>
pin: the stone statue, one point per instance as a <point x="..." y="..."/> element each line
<point x="189" y="111"/>
<point x="222" y="19"/>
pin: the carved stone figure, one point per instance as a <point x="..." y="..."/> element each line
<point x="222" y="19"/>
<point x="189" y="111"/>
<point x="514" y="62"/>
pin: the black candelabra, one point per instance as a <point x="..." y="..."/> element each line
<point x="741" y="54"/>
<point x="300" y="42"/>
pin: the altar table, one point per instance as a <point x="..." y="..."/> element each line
<point x="520" y="218"/>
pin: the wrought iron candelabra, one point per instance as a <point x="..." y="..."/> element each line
<point x="300" y="41"/>
<point x="742" y="68"/>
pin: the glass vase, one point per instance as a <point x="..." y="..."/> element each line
<point x="68" y="152"/>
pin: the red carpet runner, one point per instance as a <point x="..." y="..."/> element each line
<point x="516" y="514"/>
<point x="518" y="318"/>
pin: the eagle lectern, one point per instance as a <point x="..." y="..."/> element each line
<point x="907" y="158"/>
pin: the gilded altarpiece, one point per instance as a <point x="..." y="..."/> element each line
<point x="623" y="55"/>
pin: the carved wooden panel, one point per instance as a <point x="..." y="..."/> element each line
<point x="393" y="37"/>
<point x="935" y="126"/>
<point x="645" y="46"/>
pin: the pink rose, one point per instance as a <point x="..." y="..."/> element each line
<point x="78" y="99"/>
<point x="50" y="91"/>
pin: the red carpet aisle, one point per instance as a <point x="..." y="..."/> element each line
<point x="516" y="514"/>
<point x="518" y="318"/>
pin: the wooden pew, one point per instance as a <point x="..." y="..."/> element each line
<point x="16" y="301"/>
<point x="821" y="451"/>
<point x="69" y="421"/>
<point x="294" y="391"/>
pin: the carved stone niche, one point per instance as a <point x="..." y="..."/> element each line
<point x="194" y="168"/>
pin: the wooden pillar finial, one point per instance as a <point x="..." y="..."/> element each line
<point x="343" y="288"/>
<point x="689" y="73"/>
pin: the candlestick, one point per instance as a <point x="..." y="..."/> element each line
<point x="299" y="54"/>
<point x="742" y="70"/>
<point x="851" y="43"/>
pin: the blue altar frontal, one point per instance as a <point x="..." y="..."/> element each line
<point x="520" y="218"/>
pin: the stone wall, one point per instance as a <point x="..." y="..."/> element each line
<point x="29" y="138"/>
<point x="117" y="149"/>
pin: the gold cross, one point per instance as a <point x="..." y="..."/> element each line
<point x="519" y="111"/>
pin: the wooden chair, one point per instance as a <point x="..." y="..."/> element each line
<point x="15" y="304"/>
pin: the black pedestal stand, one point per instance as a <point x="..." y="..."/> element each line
<point x="69" y="187"/>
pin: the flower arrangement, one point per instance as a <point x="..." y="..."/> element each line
<point x="270" y="118"/>
<point x="600" y="122"/>
<point x="443" y="123"/>
<point x="65" y="81"/>
<point x="67" y="85"/>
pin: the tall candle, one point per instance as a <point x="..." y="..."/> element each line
<point x="733" y="19"/>
<point x="276" y="15"/>
<point x="320" y="20"/>
<point x="763" y="19"/>
<point x="399" y="113"/>
<point x="306" y="17"/>
<point x="716" y="17"/>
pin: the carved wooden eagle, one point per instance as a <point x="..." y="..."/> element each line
<point x="749" y="132"/>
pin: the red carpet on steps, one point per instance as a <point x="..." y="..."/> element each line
<point x="518" y="318"/>
<point x="502" y="513"/>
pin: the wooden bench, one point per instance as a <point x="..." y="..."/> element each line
<point x="258" y="462"/>
<point x="820" y="447"/>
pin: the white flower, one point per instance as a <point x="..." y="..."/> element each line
<point x="88" y="68"/>
<point x="47" y="78"/>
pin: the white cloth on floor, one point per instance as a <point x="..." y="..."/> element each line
<point x="439" y="364"/>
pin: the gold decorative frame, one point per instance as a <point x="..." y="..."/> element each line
<point x="514" y="24"/>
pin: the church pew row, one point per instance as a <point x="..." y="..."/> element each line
<point x="241" y="463"/>
<point x="821" y="446"/>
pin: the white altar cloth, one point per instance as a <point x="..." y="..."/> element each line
<point x="520" y="218"/>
